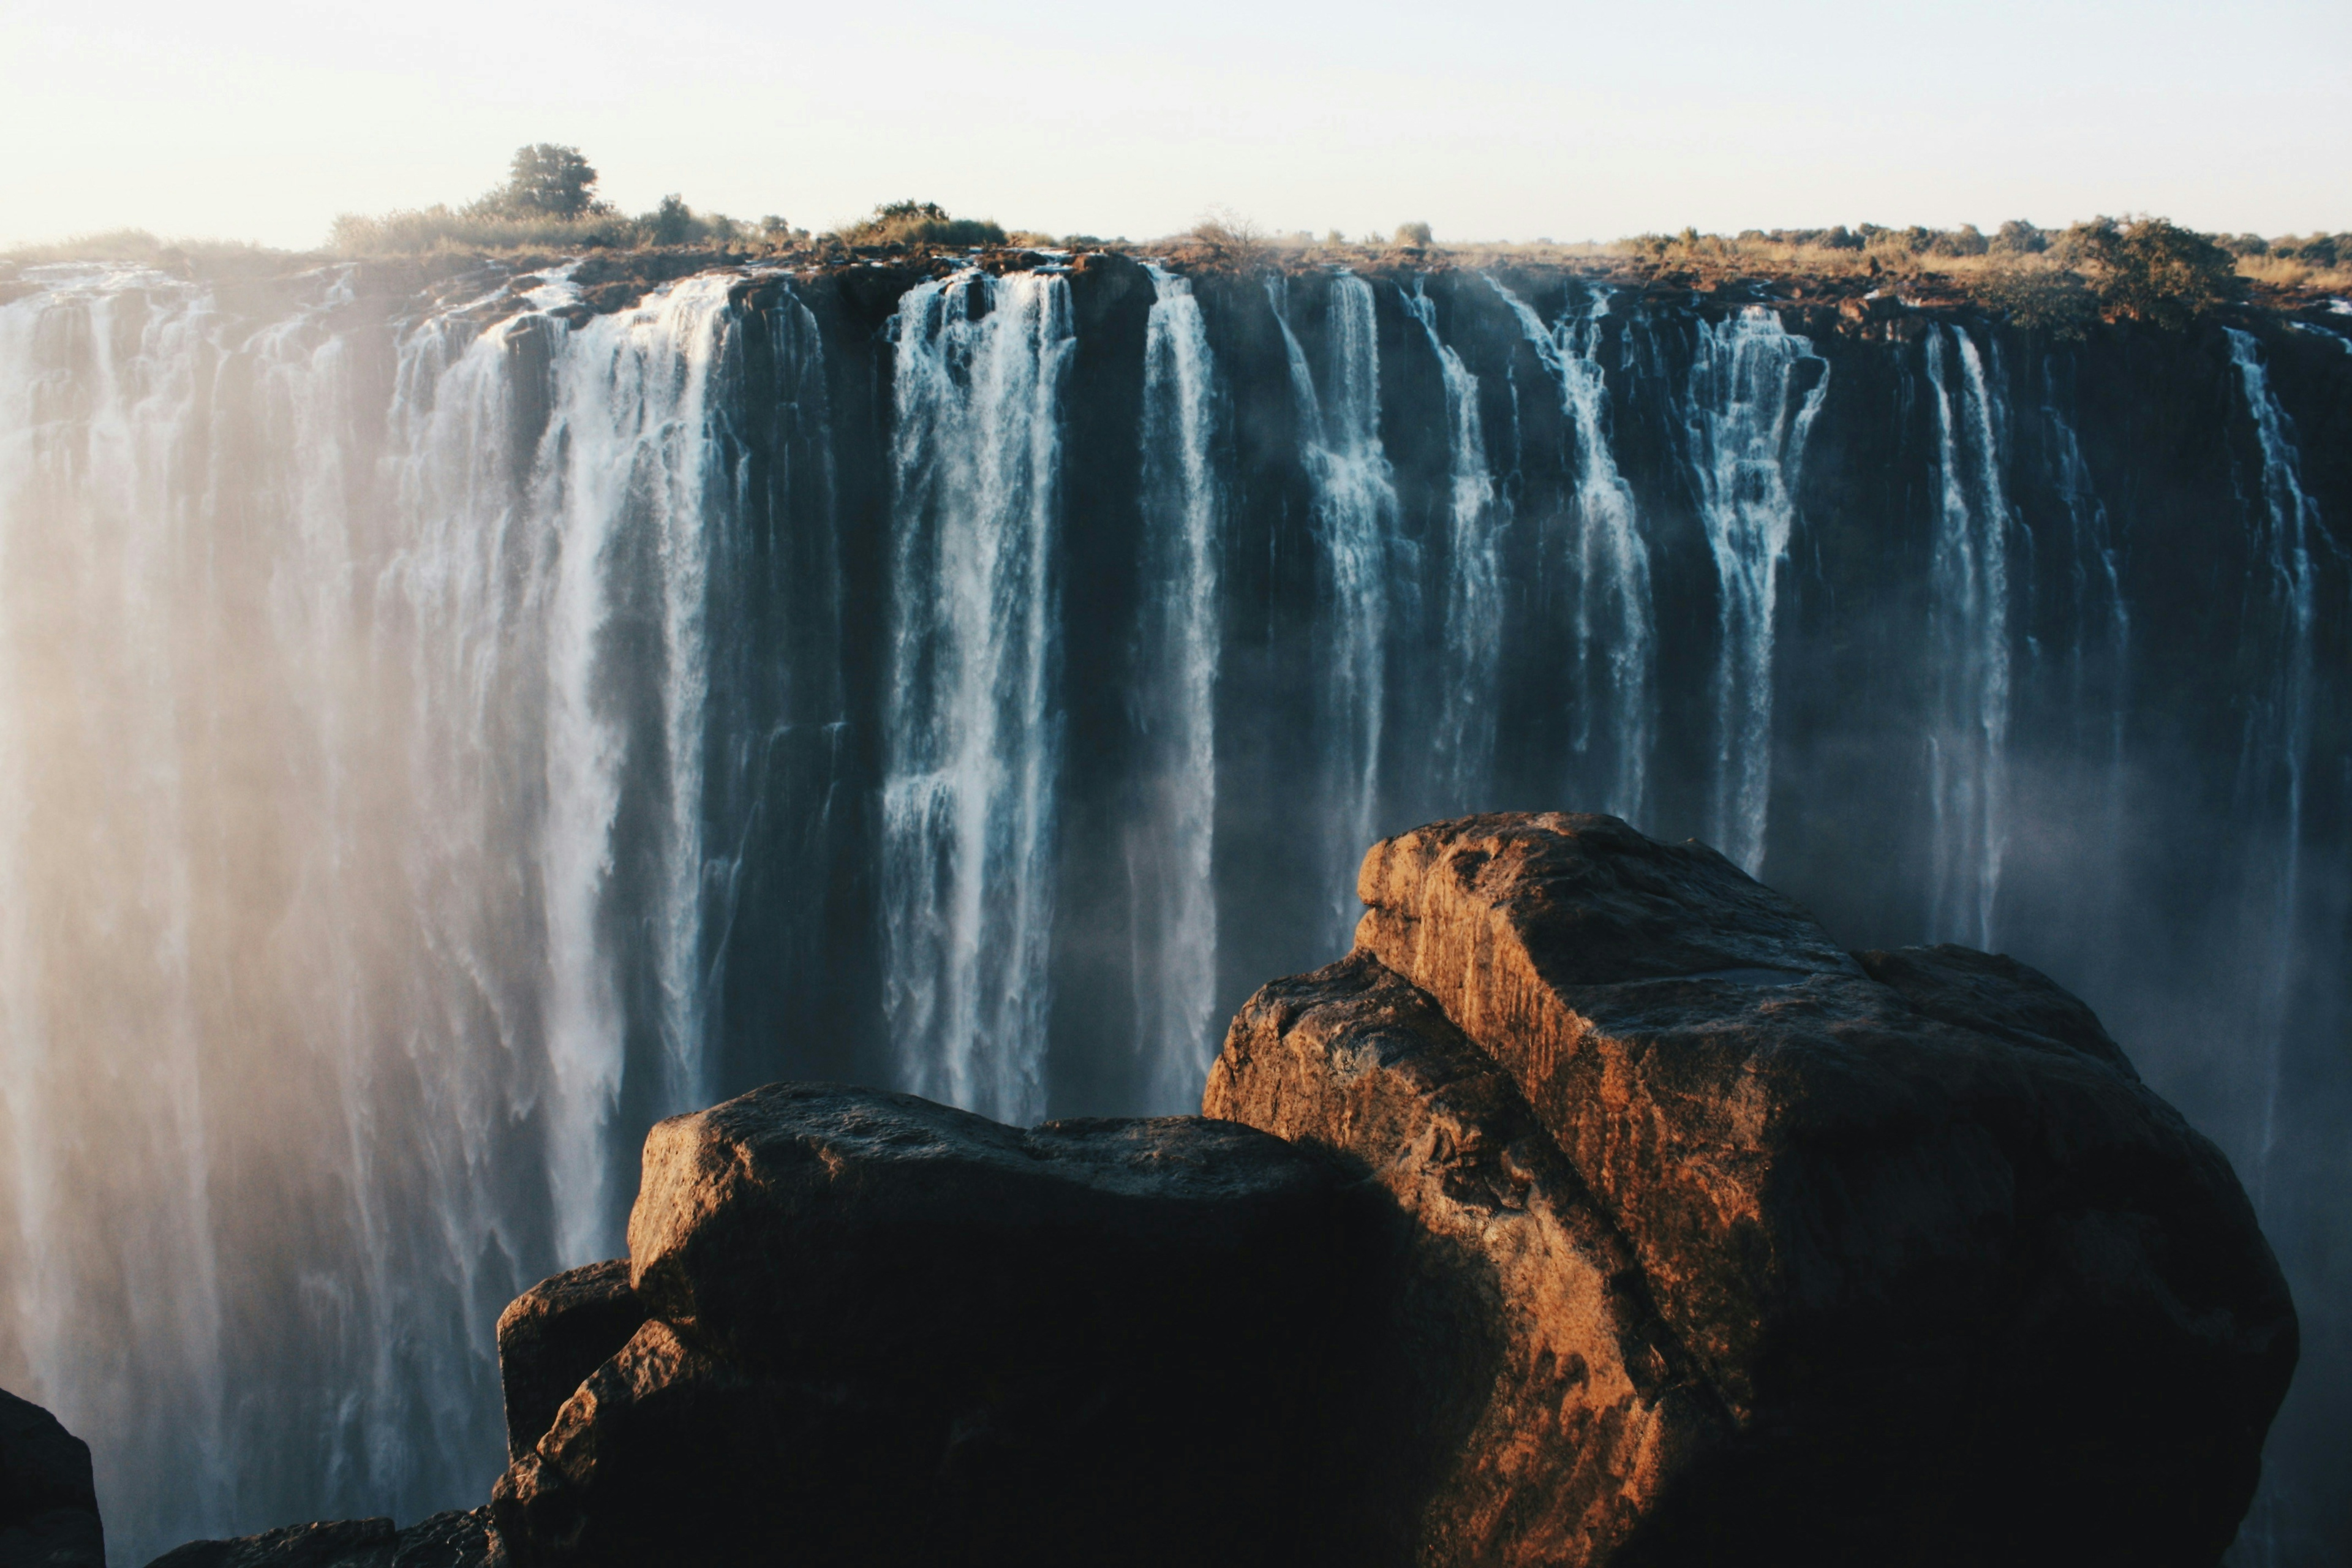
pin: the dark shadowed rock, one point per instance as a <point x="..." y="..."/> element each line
<point x="1995" y="994"/>
<point x="1524" y="1404"/>
<point x="890" y="1332"/>
<point x="49" y="1507"/>
<point x="1969" y="1291"/>
<point x="455" y="1539"/>
<point x="553" y="1335"/>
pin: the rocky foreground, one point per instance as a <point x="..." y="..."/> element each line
<point x="1596" y="1209"/>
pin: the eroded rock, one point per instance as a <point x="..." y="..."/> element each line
<point x="553" y="1335"/>
<point x="889" y="1332"/>
<point x="1969" y="1291"/>
<point x="1525" y="1403"/>
<point x="454" y="1539"/>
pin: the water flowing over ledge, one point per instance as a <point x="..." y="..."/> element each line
<point x="439" y="735"/>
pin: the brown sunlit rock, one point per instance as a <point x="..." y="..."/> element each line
<point x="1526" y="1404"/>
<point x="553" y="1335"/>
<point x="1969" y="1290"/>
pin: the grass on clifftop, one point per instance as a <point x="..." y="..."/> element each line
<point x="2134" y="269"/>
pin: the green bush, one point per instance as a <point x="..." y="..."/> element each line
<point x="1414" y="234"/>
<point x="1965" y="240"/>
<point x="2152" y="270"/>
<point x="2045" y="299"/>
<point x="921" y="223"/>
<point x="2019" y="238"/>
<point x="2324" y="250"/>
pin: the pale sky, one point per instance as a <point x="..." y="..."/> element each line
<point x="261" y="119"/>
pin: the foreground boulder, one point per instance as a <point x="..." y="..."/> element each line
<point x="455" y="1540"/>
<point x="1964" y="1289"/>
<point x="49" y="1506"/>
<point x="1527" y="1403"/>
<point x="553" y="1335"/>
<point x="884" y="1331"/>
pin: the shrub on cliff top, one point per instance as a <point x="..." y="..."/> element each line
<point x="414" y="230"/>
<point x="2019" y="238"/>
<point x="921" y="223"/>
<point x="2045" y="299"/>
<point x="2152" y="270"/>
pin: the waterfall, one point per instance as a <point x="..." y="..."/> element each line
<point x="1614" y="627"/>
<point x="112" y="1266"/>
<point x="2276" y="754"/>
<point x="1356" y="526"/>
<point x="441" y="733"/>
<point x="779" y="812"/>
<point x="1968" y="594"/>
<point x="1471" y="650"/>
<point x="973" y="727"/>
<point x="1171" y="843"/>
<point x="337" y="729"/>
<point x="2098" y="613"/>
<point x="1748" y="420"/>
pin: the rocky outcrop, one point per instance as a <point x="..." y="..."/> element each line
<point x="1528" y="1405"/>
<point x="1964" y="1288"/>
<point x="888" y="1331"/>
<point x="455" y="1540"/>
<point x="49" y="1506"/>
<point x="553" y="1335"/>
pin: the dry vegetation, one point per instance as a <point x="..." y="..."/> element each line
<point x="2142" y="269"/>
<point x="2134" y="269"/>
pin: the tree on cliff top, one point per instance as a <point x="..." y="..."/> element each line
<point x="546" y="181"/>
<point x="2152" y="270"/>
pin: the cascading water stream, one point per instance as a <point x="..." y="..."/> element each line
<point x="1747" y="420"/>
<point x="1356" y="525"/>
<point x="1968" y="588"/>
<point x="1614" y="616"/>
<point x="1171" y="843"/>
<point x="1471" y="663"/>
<point x="2101" y="615"/>
<point x="104" y="377"/>
<point x="2276" y="756"/>
<point x="972" y="728"/>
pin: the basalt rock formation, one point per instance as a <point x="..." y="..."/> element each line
<point x="1530" y="1402"/>
<point x="886" y="1331"/>
<point x="1961" y="1288"/>
<point x="454" y="1539"/>
<point x="49" y="1507"/>
<point x="553" y="1335"/>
